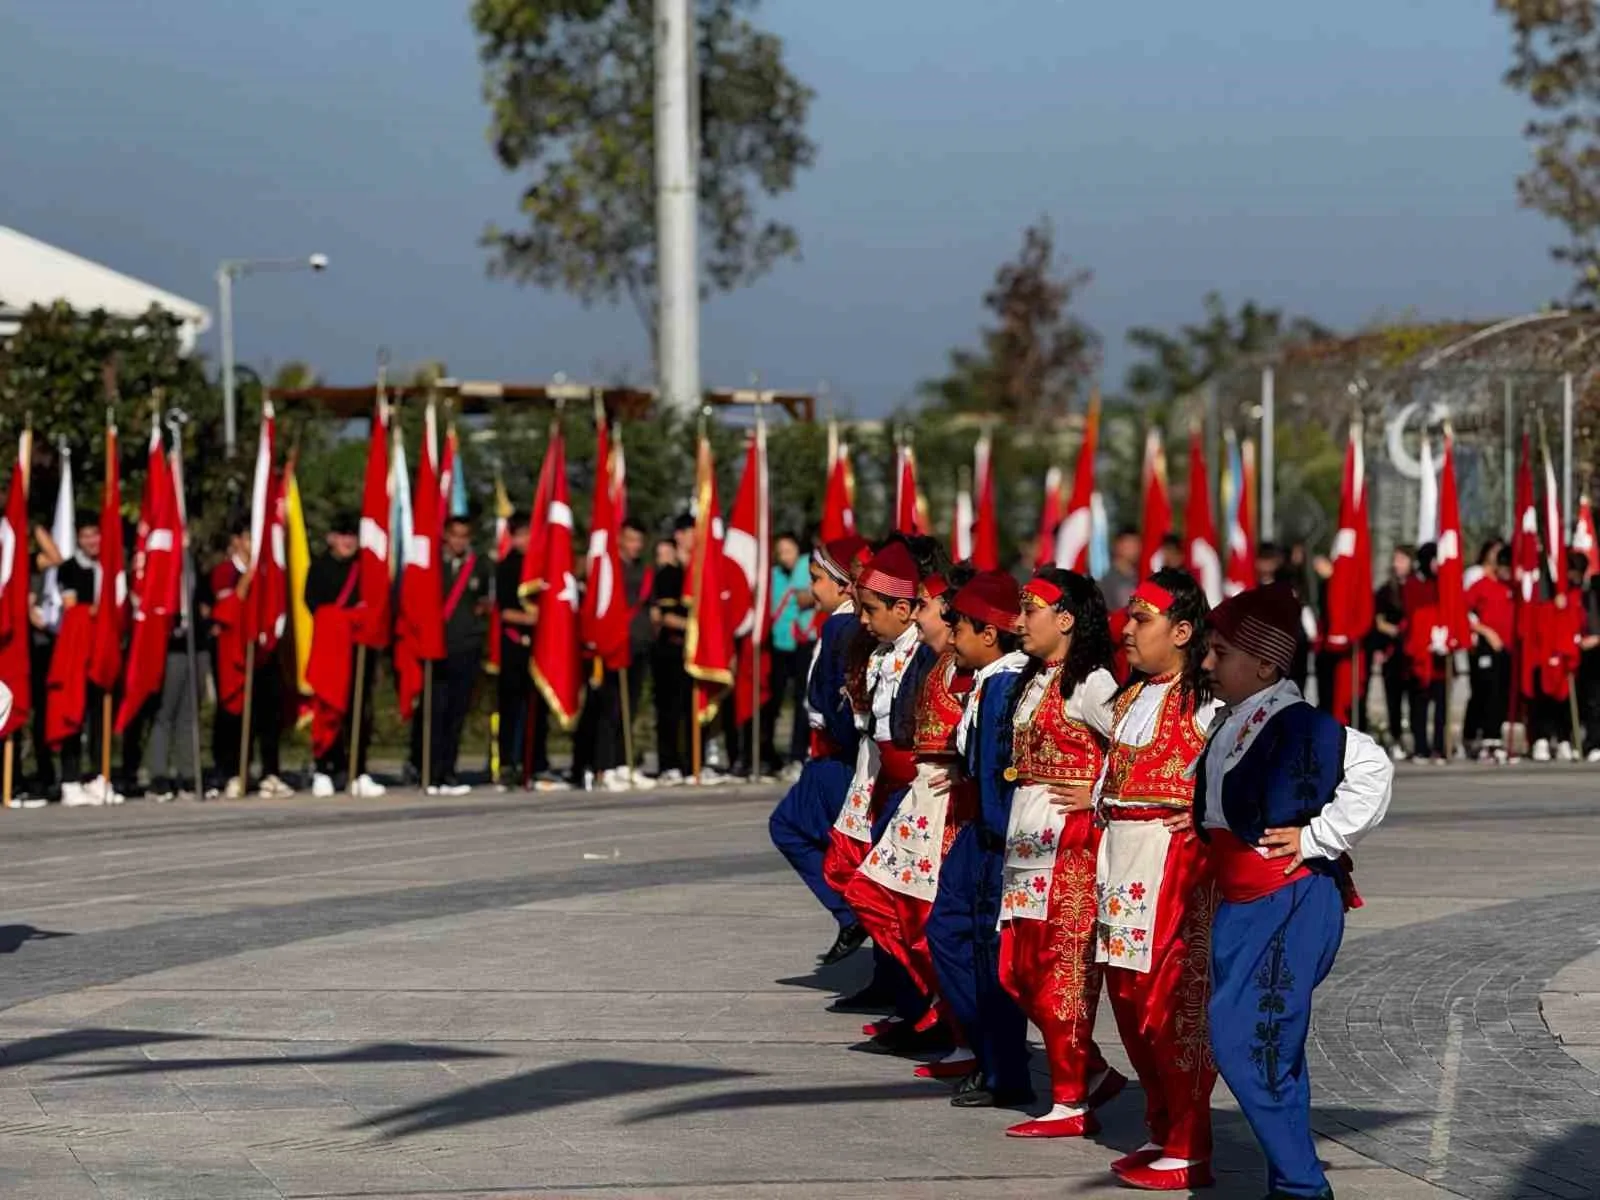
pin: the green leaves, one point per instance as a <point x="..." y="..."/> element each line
<point x="570" y="86"/>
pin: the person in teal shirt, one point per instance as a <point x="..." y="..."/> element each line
<point x="792" y="639"/>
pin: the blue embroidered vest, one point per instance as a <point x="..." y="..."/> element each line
<point x="989" y="754"/>
<point x="825" y="693"/>
<point x="1286" y="777"/>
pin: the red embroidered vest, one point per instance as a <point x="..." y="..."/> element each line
<point x="1053" y="748"/>
<point x="1157" y="773"/>
<point x="939" y="708"/>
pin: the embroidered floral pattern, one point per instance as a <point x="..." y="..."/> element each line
<point x="1124" y="912"/>
<point x="1073" y="987"/>
<point x="1274" y="981"/>
<point x="1190" y="1024"/>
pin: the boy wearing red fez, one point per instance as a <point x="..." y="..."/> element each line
<point x="1282" y="793"/>
<point x="801" y="825"/>
<point x="1153" y="881"/>
<point x="1047" y="910"/>
<point x="963" y="926"/>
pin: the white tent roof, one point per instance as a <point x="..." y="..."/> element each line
<point x="34" y="272"/>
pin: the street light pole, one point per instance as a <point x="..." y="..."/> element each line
<point x="227" y="271"/>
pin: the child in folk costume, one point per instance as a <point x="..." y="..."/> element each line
<point x="1153" y="882"/>
<point x="1047" y="912"/>
<point x="963" y="926"/>
<point x="801" y="824"/>
<point x="1282" y="793"/>
<point x="895" y="886"/>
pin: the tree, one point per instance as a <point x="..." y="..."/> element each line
<point x="1179" y="364"/>
<point x="571" y="88"/>
<point x="1039" y="352"/>
<point x="1556" y="64"/>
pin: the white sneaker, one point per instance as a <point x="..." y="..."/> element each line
<point x="75" y="795"/>
<point x="791" y="773"/>
<point x="233" y="789"/>
<point x="368" y="787"/>
<point x="1397" y="752"/>
<point x="637" y="780"/>
<point x="615" y="780"/>
<point x="1593" y="756"/>
<point x="1541" y="750"/>
<point x="1564" y="753"/>
<point x="672" y="778"/>
<point x="273" y="788"/>
<point x="456" y="789"/>
<point x="321" y="785"/>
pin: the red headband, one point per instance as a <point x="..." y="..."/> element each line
<point x="1152" y="596"/>
<point x="1042" y="590"/>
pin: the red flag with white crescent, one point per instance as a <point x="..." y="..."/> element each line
<point x="1077" y="525"/>
<point x="748" y="579"/>
<point x="1200" y="528"/>
<point x="554" y="663"/>
<point x="1044" y="541"/>
<point x="1157" y="511"/>
<point x="1583" y="536"/>
<point x="111" y="606"/>
<point x="156" y="586"/>
<point x="16" y="631"/>
<point x="708" y="641"/>
<point x="419" y="625"/>
<point x="838" y="505"/>
<point x="1450" y="565"/>
<point x="603" y="623"/>
<point x="372" y="626"/>
<point x="985" y="524"/>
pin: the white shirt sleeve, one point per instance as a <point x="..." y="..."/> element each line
<point x="1358" y="804"/>
<point x="1095" y="698"/>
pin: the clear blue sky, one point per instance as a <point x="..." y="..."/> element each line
<point x="1352" y="160"/>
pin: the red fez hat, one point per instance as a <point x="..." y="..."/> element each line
<point x="892" y="573"/>
<point x="840" y="555"/>
<point x="992" y="597"/>
<point x="1263" y="621"/>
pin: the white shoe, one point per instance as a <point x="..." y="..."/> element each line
<point x="75" y="795"/>
<point x="672" y="778"/>
<point x="1593" y="756"/>
<point x="321" y="785"/>
<point x="273" y="788"/>
<point x="233" y="789"/>
<point x="615" y="780"/>
<point x="637" y="781"/>
<point x="1397" y="752"/>
<point x="368" y="787"/>
<point x="1564" y="753"/>
<point x="1541" y="751"/>
<point x="791" y="773"/>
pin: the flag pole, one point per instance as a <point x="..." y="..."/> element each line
<point x="176" y="418"/>
<point x="758" y="598"/>
<point x="105" y="585"/>
<point x="9" y="766"/>
<point x="427" y="724"/>
<point x="359" y="686"/>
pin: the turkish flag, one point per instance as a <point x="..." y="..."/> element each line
<point x="1583" y="536"/>
<point x="1350" y="599"/>
<point x="533" y="573"/>
<point x="110" y="614"/>
<point x="419" y="624"/>
<point x="554" y="664"/>
<point x="1241" y="572"/>
<point x="1044" y="541"/>
<point x="1555" y="549"/>
<point x="1156" y="523"/>
<point x="1077" y="526"/>
<point x="910" y="510"/>
<point x="266" y="598"/>
<point x="838" y="504"/>
<point x="372" y="625"/>
<point x="1199" y="529"/>
<point x="985" y="526"/>
<point x="748" y="577"/>
<point x="603" y="622"/>
<point x="1525" y="537"/>
<point x="708" y="641"/>
<point x="157" y="587"/>
<point x="15" y="627"/>
<point x="1450" y="566"/>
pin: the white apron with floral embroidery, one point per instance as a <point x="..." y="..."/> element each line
<point x="1128" y="874"/>
<point x="855" y="818"/>
<point x="1032" y="837"/>
<point x="907" y="856"/>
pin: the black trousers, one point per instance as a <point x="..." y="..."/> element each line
<point x="524" y="718"/>
<point x="1396" y="677"/>
<point x="72" y="750"/>
<point x="335" y="763"/>
<point x="1427" y="718"/>
<point x="597" y="745"/>
<point x="789" y="670"/>
<point x="1490" y="702"/>
<point x="455" y="681"/>
<point x="1589" y="699"/>
<point x="266" y="724"/>
<point x="673" y="698"/>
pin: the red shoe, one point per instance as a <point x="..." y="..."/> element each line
<point x="874" y="1028"/>
<point x="959" y="1069"/>
<point x="1138" y="1158"/>
<point x="1082" y="1125"/>
<point x="1110" y="1088"/>
<point x="1148" y="1179"/>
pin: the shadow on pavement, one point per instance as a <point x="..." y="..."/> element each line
<point x="1562" y="1165"/>
<point x="791" y="1098"/>
<point x="377" y="1052"/>
<point x="12" y="937"/>
<point x="541" y="1090"/>
<point x="843" y="977"/>
<point x="83" y="1041"/>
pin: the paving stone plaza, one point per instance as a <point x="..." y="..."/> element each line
<point x="614" y="996"/>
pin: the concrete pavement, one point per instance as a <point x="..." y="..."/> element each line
<point x="613" y="996"/>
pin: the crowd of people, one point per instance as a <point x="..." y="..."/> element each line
<point x="1021" y="795"/>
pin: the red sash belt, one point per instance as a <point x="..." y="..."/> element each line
<point x="1141" y="812"/>
<point x="1244" y="875"/>
<point x="823" y="746"/>
<point x="896" y="769"/>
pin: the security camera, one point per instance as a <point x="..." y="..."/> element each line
<point x="319" y="262"/>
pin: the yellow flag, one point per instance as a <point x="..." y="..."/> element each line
<point x="299" y="567"/>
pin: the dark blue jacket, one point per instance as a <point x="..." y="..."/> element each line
<point x="825" y="693"/>
<point x="989" y="754"/>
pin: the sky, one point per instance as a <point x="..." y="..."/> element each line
<point x="1341" y="161"/>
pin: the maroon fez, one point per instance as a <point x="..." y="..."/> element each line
<point x="1263" y="621"/>
<point x="839" y="556"/>
<point x="992" y="598"/>
<point x="892" y="573"/>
